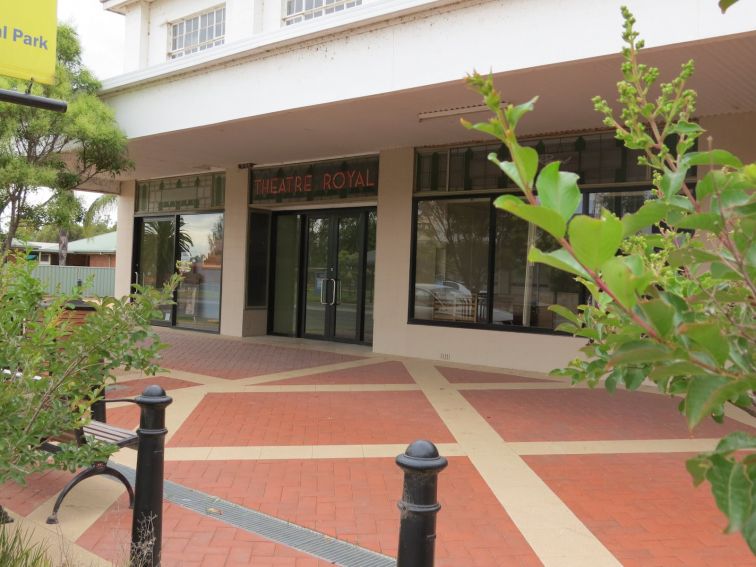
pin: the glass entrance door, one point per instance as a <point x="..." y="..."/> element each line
<point x="337" y="274"/>
<point x="157" y="257"/>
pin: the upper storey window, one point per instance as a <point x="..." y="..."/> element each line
<point x="197" y="33"/>
<point x="300" y="10"/>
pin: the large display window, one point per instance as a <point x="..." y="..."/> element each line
<point x="469" y="259"/>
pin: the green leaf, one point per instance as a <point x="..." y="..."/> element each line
<point x="617" y="277"/>
<point x="558" y="190"/>
<point x="493" y="127"/>
<point x="698" y="467"/>
<point x="639" y="352"/>
<point x="566" y="313"/>
<point x="650" y="213"/>
<point x="672" y="182"/>
<point x="712" y="157"/>
<point x="724" y="5"/>
<point x="709" y="337"/>
<point x="542" y="217"/>
<point x="687" y="128"/>
<point x="559" y="259"/>
<point x="701" y="397"/>
<point x="594" y="241"/>
<point x="674" y="369"/>
<point x="706" y="221"/>
<point x="513" y="113"/>
<point x="736" y="441"/>
<point x="660" y="314"/>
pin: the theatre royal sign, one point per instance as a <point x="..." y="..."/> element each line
<point x="346" y="178"/>
<point x="28" y="30"/>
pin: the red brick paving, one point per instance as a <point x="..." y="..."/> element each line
<point x="464" y="376"/>
<point x="587" y="415"/>
<point x="311" y="418"/>
<point x="223" y="358"/>
<point x="191" y="540"/>
<point x="24" y="499"/>
<point x="644" y="508"/>
<point x="355" y="500"/>
<point x="131" y="388"/>
<point x="381" y="373"/>
<point x="125" y="416"/>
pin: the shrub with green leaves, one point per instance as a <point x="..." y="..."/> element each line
<point x="52" y="369"/>
<point x="672" y="285"/>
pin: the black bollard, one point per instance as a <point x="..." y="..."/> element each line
<point x="419" y="505"/>
<point x="147" y="523"/>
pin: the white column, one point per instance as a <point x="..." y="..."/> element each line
<point x="392" y="255"/>
<point x="137" y="32"/>
<point x="124" y="238"/>
<point x="234" y="253"/>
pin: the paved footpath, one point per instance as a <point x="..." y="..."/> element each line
<point x="540" y="473"/>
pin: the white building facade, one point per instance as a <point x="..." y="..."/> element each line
<point x="304" y="162"/>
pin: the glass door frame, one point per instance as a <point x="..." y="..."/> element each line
<point x="136" y="267"/>
<point x="139" y="220"/>
<point x="333" y="214"/>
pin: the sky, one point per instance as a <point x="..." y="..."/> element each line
<point x="101" y="34"/>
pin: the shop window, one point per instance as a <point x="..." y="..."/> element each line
<point x="471" y="268"/>
<point x="197" y="33"/>
<point x="302" y="10"/>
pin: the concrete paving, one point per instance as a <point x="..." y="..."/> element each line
<point x="540" y="473"/>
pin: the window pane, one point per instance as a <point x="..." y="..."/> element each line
<point x="201" y="250"/>
<point x="286" y="275"/>
<point x="451" y="263"/>
<point x="257" y="262"/>
<point x="524" y="291"/>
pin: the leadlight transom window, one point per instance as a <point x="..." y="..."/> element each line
<point x="301" y="10"/>
<point x="599" y="159"/>
<point x="197" y="33"/>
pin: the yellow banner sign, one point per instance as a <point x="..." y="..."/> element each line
<point x="28" y="30"/>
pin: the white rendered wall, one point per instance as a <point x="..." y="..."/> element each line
<point x="234" y="253"/>
<point x="124" y="238"/>
<point x="392" y="334"/>
<point x="433" y="47"/>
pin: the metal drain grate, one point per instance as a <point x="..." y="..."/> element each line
<point x="303" y="539"/>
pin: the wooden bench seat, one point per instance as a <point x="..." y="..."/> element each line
<point x="100" y="431"/>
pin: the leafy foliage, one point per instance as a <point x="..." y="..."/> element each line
<point x="672" y="285"/>
<point x="53" y="369"/>
<point x="18" y="550"/>
<point x="39" y="148"/>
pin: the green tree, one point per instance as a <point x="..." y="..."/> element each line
<point x="674" y="306"/>
<point x="39" y="148"/>
<point x="52" y="370"/>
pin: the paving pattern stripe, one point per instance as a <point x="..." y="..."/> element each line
<point x="292" y="535"/>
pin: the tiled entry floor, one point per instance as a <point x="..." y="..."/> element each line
<point x="539" y="472"/>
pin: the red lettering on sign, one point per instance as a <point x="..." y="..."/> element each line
<point x="308" y="183"/>
<point x="350" y="174"/>
<point x="368" y="183"/>
<point x="360" y="182"/>
<point x="297" y="184"/>
<point x="326" y="182"/>
<point x="339" y="184"/>
<point x="288" y="184"/>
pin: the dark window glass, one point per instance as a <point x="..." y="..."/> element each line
<point x="451" y="264"/>
<point x="286" y="261"/>
<point x="257" y="259"/>
<point x="596" y="158"/>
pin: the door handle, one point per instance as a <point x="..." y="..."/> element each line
<point x="323" y="286"/>
<point x="333" y="299"/>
